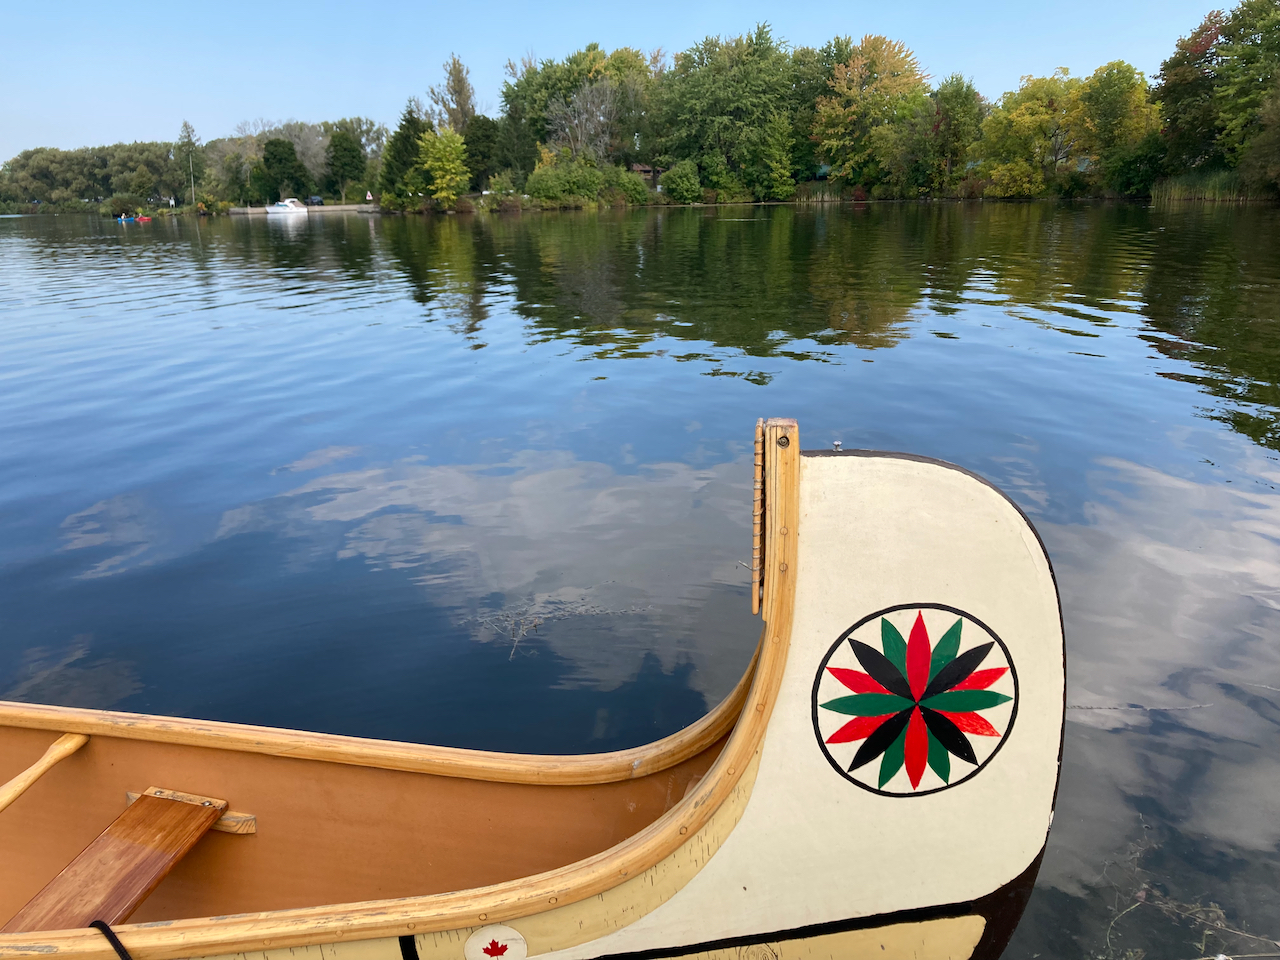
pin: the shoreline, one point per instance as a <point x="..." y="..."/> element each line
<point x="326" y="208"/>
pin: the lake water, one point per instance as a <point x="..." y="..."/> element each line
<point x="486" y="482"/>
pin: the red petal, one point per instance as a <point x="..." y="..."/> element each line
<point x="972" y="723"/>
<point x="918" y="654"/>
<point x="856" y="681"/>
<point x="981" y="679"/>
<point x="917" y="745"/>
<point x="859" y="728"/>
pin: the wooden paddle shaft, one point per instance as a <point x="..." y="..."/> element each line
<point x="63" y="747"/>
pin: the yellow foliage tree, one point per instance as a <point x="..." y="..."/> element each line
<point x="1032" y="135"/>
<point x="443" y="156"/>
<point x="881" y="82"/>
<point x="1116" y="108"/>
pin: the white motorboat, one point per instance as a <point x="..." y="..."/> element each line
<point x="291" y="207"/>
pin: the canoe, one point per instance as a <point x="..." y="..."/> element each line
<point x="879" y="784"/>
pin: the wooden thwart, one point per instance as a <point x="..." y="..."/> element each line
<point x="229" y="822"/>
<point x="123" y="865"/>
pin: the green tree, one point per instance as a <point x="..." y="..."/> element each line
<point x="729" y="99"/>
<point x="768" y="168"/>
<point x="372" y="137"/>
<point x="811" y="73"/>
<point x="401" y="155"/>
<point x="1248" y="67"/>
<point x="443" y="157"/>
<point x="455" y="99"/>
<point x="189" y="157"/>
<point x="959" y="110"/>
<point x="880" y="85"/>
<point x="281" y="173"/>
<point x="1260" y="165"/>
<point x="344" y="161"/>
<point x="1032" y="140"/>
<point x="1118" y="120"/>
<point x="544" y="100"/>
<point x="233" y="181"/>
<point x="1185" y="91"/>
<point x="1116" y="109"/>
<point x="481" y="141"/>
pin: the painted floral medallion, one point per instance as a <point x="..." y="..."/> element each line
<point x="914" y="699"/>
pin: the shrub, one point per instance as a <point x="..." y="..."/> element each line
<point x="122" y="205"/>
<point x="630" y="186"/>
<point x="681" y="182"/>
<point x="563" y="180"/>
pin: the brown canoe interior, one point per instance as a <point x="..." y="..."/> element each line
<point x="326" y="832"/>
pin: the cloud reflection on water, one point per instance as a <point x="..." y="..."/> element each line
<point x="546" y="534"/>
<point x="1171" y="593"/>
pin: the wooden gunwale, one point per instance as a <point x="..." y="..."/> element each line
<point x="209" y="936"/>
<point x="488" y="765"/>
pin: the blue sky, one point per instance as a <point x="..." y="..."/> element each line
<point x="81" y="73"/>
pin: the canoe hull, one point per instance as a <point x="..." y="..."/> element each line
<point x="886" y="788"/>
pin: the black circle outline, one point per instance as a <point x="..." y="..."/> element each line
<point x="1013" y="715"/>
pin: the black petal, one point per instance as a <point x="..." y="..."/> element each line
<point x="881" y="739"/>
<point x="881" y="669"/>
<point x="957" y="670"/>
<point x="949" y="735"/>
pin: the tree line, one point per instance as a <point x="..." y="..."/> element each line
<point x="744" y="118"/>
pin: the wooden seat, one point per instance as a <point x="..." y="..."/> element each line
<point x="123" y="865"/>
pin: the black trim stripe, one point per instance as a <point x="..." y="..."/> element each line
<point x="1001" y="910"/>
<point x="408" y="948"/>
<point x="804" y="933"/>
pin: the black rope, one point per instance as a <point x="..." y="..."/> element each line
<point x="110" y="934"/>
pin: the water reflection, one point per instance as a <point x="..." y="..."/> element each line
<point x="521" y="548"/>
<point x="1168" y="802"/>
<point x="485" y="481"/>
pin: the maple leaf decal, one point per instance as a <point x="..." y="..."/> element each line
<point x="494" y="949"/>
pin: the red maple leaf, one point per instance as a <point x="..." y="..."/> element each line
<point x="494" y="949"/>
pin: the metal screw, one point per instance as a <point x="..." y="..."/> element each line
<point x="784" y="440"/>
<point x="835" y="445"/>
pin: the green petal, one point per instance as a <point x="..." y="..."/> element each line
<point x="868" y="704"/>
<point x="946" y="649"/>
<point x="895" y="648"/>
<point x="963" y="701"/>
<point x="939" y="759"/>
<point x="893" y="758"/>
